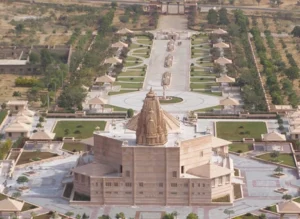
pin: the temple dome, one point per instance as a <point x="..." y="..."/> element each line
<point x="151" y="128"/>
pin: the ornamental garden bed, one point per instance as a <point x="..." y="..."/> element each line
<point x="282" y="158"/>
<point x="240" y="147"/>
<point x="77" y="129"/>
<point x="28" y="157"/>
<point x="236" y="131"/>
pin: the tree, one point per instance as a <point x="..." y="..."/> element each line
<point x="258" y="1"/>
<point x="212" y="16"/>
<point x="192" y="216"/>
<point x="130" y="113"/>
<point x="274" y="154"/>
<point x="16" y="195"/>
<point x="69" y="213"/>
<point x="292" y="72"/>
<point x="34" y="58"/>
<point x="46" y="59"/>
<point x="228" y="212"/>
<point x="22" y="180"/>
<point x="41" y="119"/>
<point x="287" y="197"/>
<point x="78" y="216"/>
<point x="168" y="216"/>
<point x="278" y="169"/>
<point x="71" y="96"/>
<point x="223" y="18"/>
<point x="296" y="31"/>
<point x="3" y="106"/>
<point x="19" y="28"/>
<point x="104" y="217"/>
<point x="85" y="216"/>
<point x="120" y="215"/>
<point x="262" y="216"/>
<point x="113" y="5"/>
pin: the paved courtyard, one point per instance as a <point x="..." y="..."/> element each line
<point x="46" y="190"/>
<point x="191" y="100"/>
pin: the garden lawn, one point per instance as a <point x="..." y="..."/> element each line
<point x="74" y="147"/>
<point x="144" y="55"/>
<point x="246" y="217"/>
<point x="236" y="131"/>
<point x="134" y="46"/>
<point x="205" y="64"/>
<point x="295" y="200"/>
<point x="271" y="208"/>
<point x="201" y="73"/>
<point x="132" y="73"/>
<point x="283" y="158"/>
<point x="27" y="156"/>
<point x="142" y="50"/>
<point x="77" y="129"/>
<point x="121" y="92"/>
<point x="129" y="58"/>
<point x="3" y="113"/>
<point x="173" y="100"/>
<point x="130" y="64"/>
<point x="142" y="38"/>
<point x="209" y="109"/>
<point x="144" y="41"/>
<point x="134" y="79"/>
<point x="240" y="147"/>
<point x="115" y="108"/>
<point x="208" y="92"/>
<point x="198" y="79"/>
<point x="130" y="85"/>
<point x="202" y="85"/>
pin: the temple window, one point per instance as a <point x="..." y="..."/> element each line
<point x="160" y="184"/>
<point x="108" y="184"/>
<point x="174" y="174"/>
<point x="227" y="178"/>
<point x="220" y="180"/>
<point x="186" y="184"/>
<point x="173" y="184"/>
<point x="127" y="173"/>
<point x="116" y="184"/>
<point x="141" y="184"/>
<point x="128" y="184"/>
<point x="201" y="153"/>
<point x="97" y="184"/>
<point x="82" y="178"/>
<point x="213" y="181"/>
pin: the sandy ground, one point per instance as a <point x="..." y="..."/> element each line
<point x="7" y="87"/>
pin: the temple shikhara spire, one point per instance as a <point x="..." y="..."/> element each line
<point x="151" y="125"/>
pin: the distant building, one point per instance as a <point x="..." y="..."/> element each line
<point x="16" y="60"/>
<point x="17" y="105"/>
<point x="163" y="162"/>
<point x="171" y="7"/>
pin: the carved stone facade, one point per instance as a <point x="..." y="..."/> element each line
<point x="154" y="168"/>
<point x="152" y="128"/>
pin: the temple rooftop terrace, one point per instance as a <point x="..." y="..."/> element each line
<point x="118" y="131"/>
